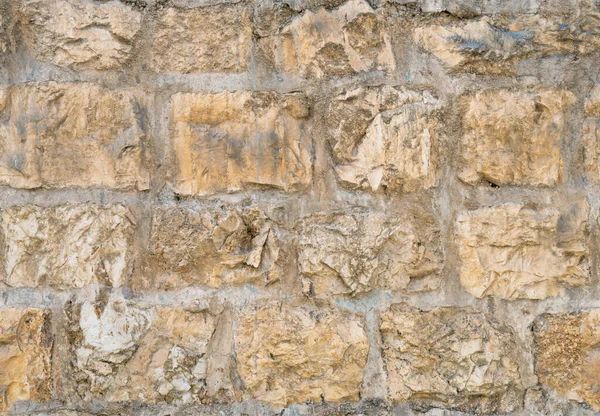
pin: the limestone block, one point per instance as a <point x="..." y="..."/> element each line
<point x="385" y="137"/>
<point x="214" y="247"/>
<point x="567" y="354"/>
<point x="25" y="353"/>
<point x="591" y="136"/>
<point x="471" y="8"/>
<point x="289" y="354"/>
<point x="66" y="246"/>
<point x="353" y="252"/>
<point x="207" y="39"/>
<point x="515" y="251"/>
<point x="451" y="358"/>
<point x="71" y="135"/>
<point x="514" y="138"/>
<point x="83" y="34"/>
<point x="225" y="142"/>
<point x="125" y="352"/>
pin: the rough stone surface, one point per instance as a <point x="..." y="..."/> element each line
<point x="357" y="252"/>
<point x="288" y="355"/>
<point x="450" y="358"/>
<point x="66" y="246"/>
<point x="226" y="142"/>
<point x="591" y="135"/>
<point x="514" y="138"/>
<point x="516" y="251"/>
<point x="25" y="353"/>
<point x="59" y="135"/>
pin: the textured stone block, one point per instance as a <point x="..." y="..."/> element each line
<point x="291" y="354"/>
<point x="358" y="251"/>
<point x="209" y="39"/>
<point x="213" y="247"/>
<point x="591" y="136"/>
<point x="225" y="142"/>
<point x="25" y="353"/>
<point x="471" y="8"/>
<point x="81" y="34"/>
<point x="567" y="355"/>
<point x="514" y="138"/>
<point x="71" y="135"/>
<point x="385" y="137"/>
<point x="66" y="246"/>
<point x="514" y="251"/>
<point x="450" y="358"/>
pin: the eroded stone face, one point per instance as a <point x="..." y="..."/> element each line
<point x="450" y="358"/>
<point x="591" y="135"/>
<point x="470" y="8"/>
<point x="228" y="141"/>
<point x="358" y="251"/>
<point x="25" y="352"/>
<point x="567" y="355"/>
<point x="385" y="137"/>
<point x="514" y="138"/>
<point x="207" y="39"/>
<point x="124" y="352"/>
<point x="66" y="246"/>
<point x="213" y="247"/>
<point x="289" y="354"/>
<point x="340" y="41"/>
<point x="81" y="34"/>
<point x="71" y="135"/>
<point x="514" y="251"/>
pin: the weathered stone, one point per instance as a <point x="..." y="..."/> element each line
<point x="213" y="247"/>
<point x="470" y="8"/>
<point x="225" y="142"/>
<point x="451" y="358"/>
<point x="66" y="246"/>
<point x="125" y="352"/>
<point x="209" y="39"/>
<point x="515" y="251"/>
<point x="358" y="251"/>
<point x="81" y="34"/>
<point x="25" y="353"/>
<point x="591" y="136"/>
<point x="291" y="354"/>
<point x="385" y="136"/>
<point x="71" y="135"/>
<point x="567" y="355"/>
<point x="514" y="138"/>
<point x="342" y="41"/>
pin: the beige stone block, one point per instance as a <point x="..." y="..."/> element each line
<point x="357" y="251"/>
<point x="385" y="137"/>
<point x="88" y="35"/>
<point x="71" y="135"/>
<point x="25" y="353"/>
<point x="228" y="141"/>
<point x="567" y="355"/>
<point x="206" y="39"/>
<point x="66" y="246"/>
<point x="515" y="251"/>
<point x="591" y="136"/>
<point x="450" y="358"/>
<point x="514" y="138"/>
<point x="289" y="354"/>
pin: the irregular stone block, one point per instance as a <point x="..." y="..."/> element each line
<point x="451" y="358"/>
<point x="341" y="41"/>
<point x="214" y="247"/>
<point x="227" y="141"/>
<point x="358" y="251"/>
<point x="291" y="354"/>
<point x="81" y="34"/>
<point x="567" y="354"/>
<point x="514" y="251"/>
<point x="125" y="352"/>
<point x="66" y="246"/>
<point x="385" y="136"/>
<point x="25" y="353"/>
<point x="470" y="8"/>
<point x="591" y="136"/>
<point x="71" y="135"/>
<point x="209" y="39"/>
<point x="514" y="138"/>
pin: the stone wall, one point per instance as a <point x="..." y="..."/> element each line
<point x="299" y="207"/>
